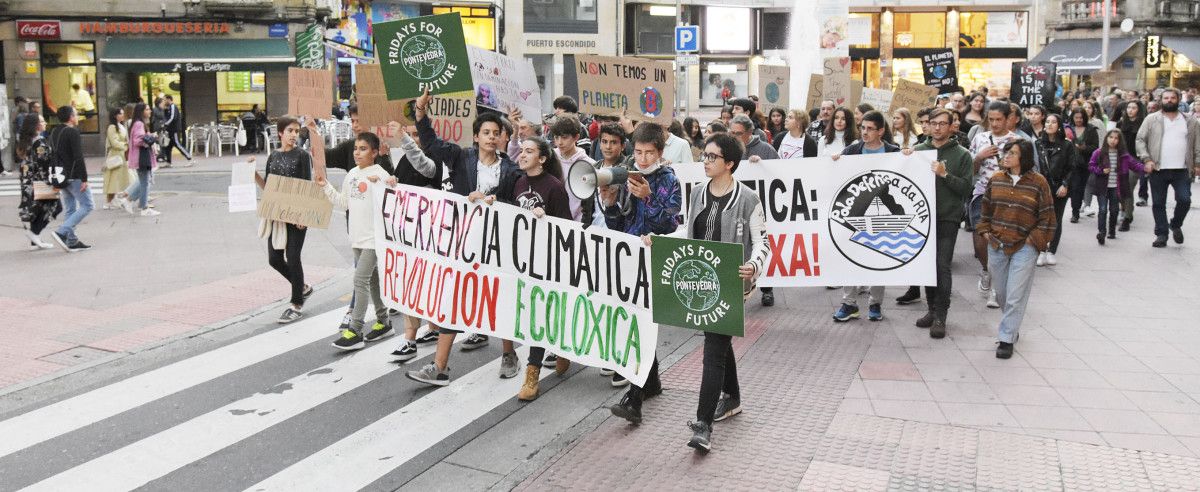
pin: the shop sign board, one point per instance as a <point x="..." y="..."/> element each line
<point x="278" y="30"/>
<point x="39" y="29"/>
<point x="687" y="60"/>
<point x="1153" y="44"/>
<point x="310" y="47"/>
<point x="154" y="27"/>
<point x="427" y="53"/>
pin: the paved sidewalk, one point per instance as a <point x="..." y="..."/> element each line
<point x="1103" y="393"/>
<point x="146" y="280"/>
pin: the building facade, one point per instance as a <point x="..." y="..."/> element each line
<point x="1161" y="47"/>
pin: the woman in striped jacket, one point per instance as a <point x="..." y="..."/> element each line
<point x="1018" y="223"/>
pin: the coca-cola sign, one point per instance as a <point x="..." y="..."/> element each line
<point x="39" y="29"/>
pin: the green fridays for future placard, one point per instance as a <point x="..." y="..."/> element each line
<point x="696" y="285"/>
<point x="423" y="53"/>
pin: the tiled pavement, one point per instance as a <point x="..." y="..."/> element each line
<point x="68" y="336"/>
<point x="1103" y="393"/>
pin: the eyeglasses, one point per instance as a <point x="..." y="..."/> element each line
<point x="939" y="123"/>
<point x="707" y="157"/>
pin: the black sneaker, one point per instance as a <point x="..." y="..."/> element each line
<point x="701" y="436"/>
<point x="1177" y="234"/>
<point x="349" y="340"/>
<point x="379" y="331"/>
<point x="768" y="298"/>
<point x="474" y="341"/>
<point x="629" y="408"/>
<point x="649" y="392"/>
<point x="727" y="406"/>
<point x="80" y="246"/>
<point x="1074" y="219"/>
<point x="406" y="352"/>
<point x="1112" y="234"/>
<point x="429" y="337"/>
<point x="1141" y="203"/>
<point x="1160" y="241"/>
<point x="925" y="321"/>
<point x="550" y="362"/>
<point x="1124" y="227"/>
<point x="938" y="330"/>
<point x="1004" y="350"/>
<point x="912" y="295"/>
<point x="61" y="241"/>
<point x="430" y="375"/>
<point x="289" y="315"/>
<point x="308" y="292"/>
<point x="618" y="380"/>
<point x="1100" y="238"/>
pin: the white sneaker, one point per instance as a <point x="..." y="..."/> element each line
<point x="149" y="212"/>
<point x="1050" y="259"/>
<point x="991" y="302"/>
<point x="1041" y="260"/>
<point x="1089" y="211"/>
<point x="127" y="205"/>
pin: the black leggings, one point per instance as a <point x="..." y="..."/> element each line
<point x="1060" y="208"/>
<point x="287" y="261"/>
<point x="1078" y="189"/>
<point x="720" y="374"/>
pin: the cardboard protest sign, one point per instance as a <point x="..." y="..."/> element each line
<point x="295" y="201"/>
<point x="503" y="83"/>
<point x="940" y="70"/>
<point x="880" y="99"/>
<point x="497" y="270"/>
<point x="1033" y="83"/>
<point x="913" y="96"/>
<point x="816" y="86"/>
<point x="837" y="81"/>
<point x="774" y="86"/>
<point x="864" y="220"/>
<point x="310" y="92"/>
<point x="696" y="285"/>
<point x="243" y="193"/>
<point x="450" y="114"/>
<point x="639" y="88"/>
<point x="423" y="53"/>
<point x="374" y="107"/>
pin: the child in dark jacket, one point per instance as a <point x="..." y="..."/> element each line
<point x="1109" y="167"/>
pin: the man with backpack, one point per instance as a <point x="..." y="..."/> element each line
<point x="70" y="175"/>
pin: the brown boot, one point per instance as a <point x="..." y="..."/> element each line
<point x="561" y="365"/>
<point x="529" y="390"/>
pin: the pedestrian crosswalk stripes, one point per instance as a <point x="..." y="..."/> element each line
<point x="12" y="186"/>
<point x="373" y="448"/>
<point x="404" y="434"/>
<point x="59" y="418"/>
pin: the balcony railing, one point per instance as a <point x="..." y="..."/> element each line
<point x="1089" y="10"/>
<point x="1179" y="10"/>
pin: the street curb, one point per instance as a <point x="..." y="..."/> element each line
<point x="203" y="330"/>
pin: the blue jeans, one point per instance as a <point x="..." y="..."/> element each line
<point x="1110" y="209"/>
<point x="141" y="189"/>
<point x="78" y="204"/>
<point x="1159" y="181"/>
<point x="1012" y="279"/>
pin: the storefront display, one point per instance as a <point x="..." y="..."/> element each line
<point x="69" y="77"/>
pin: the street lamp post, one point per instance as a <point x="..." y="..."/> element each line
<point x="1104" y="40"/>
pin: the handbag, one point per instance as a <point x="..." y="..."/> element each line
<point x="113" y="162"/>
<point x="241" y="134"/>
<point x="43" y="191"/>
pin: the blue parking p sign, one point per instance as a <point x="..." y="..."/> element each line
<point x="687" y="39"/>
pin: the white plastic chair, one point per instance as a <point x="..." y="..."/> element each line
<point x="226" y="135"/>
<point x="197" y="133"/>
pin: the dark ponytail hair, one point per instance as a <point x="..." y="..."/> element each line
<point x="27" y="133"/>
<point x="552" y="166"/>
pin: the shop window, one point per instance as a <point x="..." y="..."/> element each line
<point x="919" y="30"/>
<point x="721" y="82"/>
<point x="239" y="92"/>
<point x="993" y="29"/>
<point x="154" y="85"/>
<point x="69" y="77"/>
<point x="573" y="16"/>
<point x="996" y="74"/>
<point x="479" y="25"/>
<point x="871" y="67"/>
<point x="908" y="69"/>
<point x="654" y="29"/>
<point x="726" y="30"/>
<point x="863" y="30"/>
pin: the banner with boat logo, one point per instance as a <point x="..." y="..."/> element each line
<point x="860" y="220"/>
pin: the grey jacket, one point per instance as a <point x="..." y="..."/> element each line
<point x="742" y="221"/>
<point x="760" y="148"/>
<point x="1149" y="141"/>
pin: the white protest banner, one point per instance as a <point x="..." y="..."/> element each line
<point x="863" y="220"/>
<point x="503" y="82"/>
<point x="880" y="99"/>
<point x="499" y="271"/>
